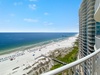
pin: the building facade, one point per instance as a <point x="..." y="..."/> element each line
<point x="89" y="27"/>
<point x="87" y="33"/>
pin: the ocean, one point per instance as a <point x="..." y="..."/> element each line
<point x="9" y="41"/>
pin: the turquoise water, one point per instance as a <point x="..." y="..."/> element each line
<point x="8" y="41"/>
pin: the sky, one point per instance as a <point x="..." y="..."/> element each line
<point x="39" y="15"/>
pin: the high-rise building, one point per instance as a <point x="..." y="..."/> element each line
<point x="88" y="29"/>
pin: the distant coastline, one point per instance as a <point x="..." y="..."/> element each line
<point x="26" y="46"/>
<point x="27" y="60"/>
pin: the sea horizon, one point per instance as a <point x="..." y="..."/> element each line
<point x="39" y="38"/>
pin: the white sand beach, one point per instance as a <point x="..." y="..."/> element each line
<point x="14" y="63"/>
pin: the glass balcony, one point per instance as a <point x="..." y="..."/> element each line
<point x="91" y="29"/>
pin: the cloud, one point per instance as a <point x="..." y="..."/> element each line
<point x="32" y="6"/>
<point x="31" y="20"/>
<point x="48" y="23"/>
<point x="17" y="3"/>
<point x="46" y="13"/>
<point x="33" y="0"/>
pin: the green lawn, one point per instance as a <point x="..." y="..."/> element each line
<point x="68" y="58"/>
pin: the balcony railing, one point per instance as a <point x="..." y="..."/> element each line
<point x="87" y="65"/>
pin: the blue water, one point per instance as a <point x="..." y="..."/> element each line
<point x="13" y="40"/>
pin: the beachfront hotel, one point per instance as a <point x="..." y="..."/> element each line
<point x="89" y="41"/>
<point x="87" y="31"/>
<point x="89" y="28"/>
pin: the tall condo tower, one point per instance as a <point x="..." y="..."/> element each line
<point x="87" y="33"/>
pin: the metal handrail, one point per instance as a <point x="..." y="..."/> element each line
<point x="63" y="68"/>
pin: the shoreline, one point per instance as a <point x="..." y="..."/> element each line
<point x="27" y="46"/>
<point x="28" y="57"/>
